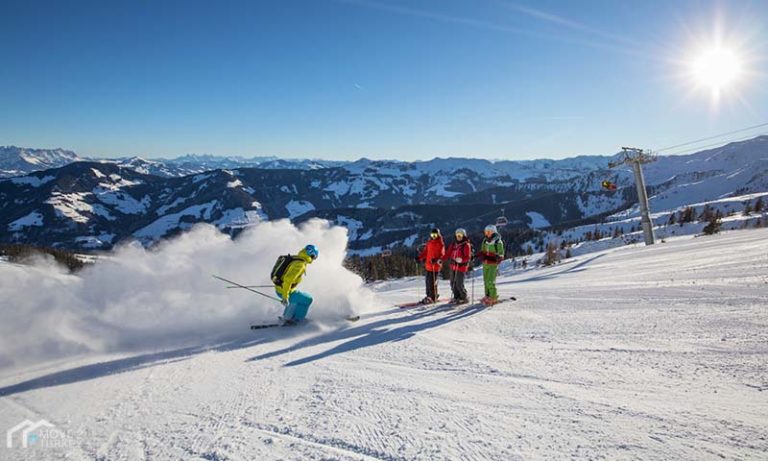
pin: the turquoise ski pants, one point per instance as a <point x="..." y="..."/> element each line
<point x="298" y="306"/>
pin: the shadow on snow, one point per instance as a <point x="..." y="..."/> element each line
<point x="101" y="369"/>
<point x="373" y="334"/>
<point x="579" y="267"/>
<point x="359" y="337"/>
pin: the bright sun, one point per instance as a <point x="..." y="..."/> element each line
<point x="717" y="68"/>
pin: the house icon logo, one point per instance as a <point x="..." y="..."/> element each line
<point x="27" y="429"/>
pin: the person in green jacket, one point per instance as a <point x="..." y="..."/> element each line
<point x="492" y="254"/>
<point x="296" y="302"/>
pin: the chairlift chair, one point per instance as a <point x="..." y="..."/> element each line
<point x="501" y="221"/>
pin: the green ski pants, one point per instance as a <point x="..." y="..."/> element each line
<point x="489" y="279"/>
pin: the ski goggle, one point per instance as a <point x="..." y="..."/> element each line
<point x="434" y="235"/>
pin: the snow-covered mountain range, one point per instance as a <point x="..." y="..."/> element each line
<point x="382" y="203"/>
<point x="18" y="161"/>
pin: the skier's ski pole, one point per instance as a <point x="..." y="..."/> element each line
<point x="453" y="283"/>
<point x="245" y="287"/>
<point x="434" y="281"/>
<point x="472" y="274"/>
<point x="418" y="290"/>
<point x="251" y="286"/>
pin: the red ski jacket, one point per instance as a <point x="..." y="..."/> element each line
<point x="459" y="255"/>
<point x="433" y="254"/>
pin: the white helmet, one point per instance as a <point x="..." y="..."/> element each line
<point x="491" y="228"/>
<point x="461" y="231"/>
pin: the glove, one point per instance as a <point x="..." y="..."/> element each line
<point x="459" y="260"/>
<point x="284" y="302"/>
<point x="437" y="262"/>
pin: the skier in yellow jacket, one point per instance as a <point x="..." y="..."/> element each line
<point x="286" y="280"/>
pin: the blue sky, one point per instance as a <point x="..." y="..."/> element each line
<point x="342" y="79"/>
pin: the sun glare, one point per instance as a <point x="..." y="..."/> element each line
<point x="716" y="69"/>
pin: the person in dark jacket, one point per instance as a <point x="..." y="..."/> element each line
<point x="432" y="256"/>
<point x="459" y="256"/>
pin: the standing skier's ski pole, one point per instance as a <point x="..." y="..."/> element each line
<point x="434" y="283"/>
<point x="417" y="284"/>
<point x="472" y="275"/>
<point x="453" y="283"/>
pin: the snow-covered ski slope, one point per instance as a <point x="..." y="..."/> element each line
<point x="650" y="353"/>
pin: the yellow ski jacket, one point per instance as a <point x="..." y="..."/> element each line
<point x="293" y="274"/>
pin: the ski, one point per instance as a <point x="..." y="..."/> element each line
<point x="461" y="307"/>
<point x="268" y="325"/>
<point x="407" y="305"/>
<point x="416" y="304"/>
<point x="352" y="318"/>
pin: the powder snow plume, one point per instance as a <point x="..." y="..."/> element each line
<point x="137" y="298"/>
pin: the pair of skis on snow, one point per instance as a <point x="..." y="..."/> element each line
<point x="281" y="322"/>
<point x="456" y="306"/>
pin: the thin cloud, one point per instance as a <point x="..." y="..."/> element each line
<point x="562" y="21"/>
<point x="494" y="26"/>
<point x="408" y="11"/>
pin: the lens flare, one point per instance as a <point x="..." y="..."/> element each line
<point x="717" y="68"/>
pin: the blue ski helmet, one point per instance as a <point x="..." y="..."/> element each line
<point x="311" y="251"/>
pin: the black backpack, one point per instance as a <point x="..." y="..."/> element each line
<point x="281" y="265"/>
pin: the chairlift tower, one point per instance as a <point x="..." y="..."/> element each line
<point x="636" y="158"/>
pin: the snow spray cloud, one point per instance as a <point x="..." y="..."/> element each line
<point x="139" y="299"/>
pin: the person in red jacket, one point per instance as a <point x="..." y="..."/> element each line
<point x="459" y="255"/>
<point x="432" y="256"/>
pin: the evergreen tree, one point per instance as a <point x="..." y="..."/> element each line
<point x="23" y="254"/>
<point x="707" y="214"/>
<point x="759" y="205"/>
<point x="747" y="209"/>
<point x="713" y="225"/>
<point x="552" y="255"/>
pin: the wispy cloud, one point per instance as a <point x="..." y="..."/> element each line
<point x="563" y="21"/>
<point x="608" y="41"/>
<point x="408" y="11"/>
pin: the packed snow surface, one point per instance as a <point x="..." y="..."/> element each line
<point x="649" y="353"/>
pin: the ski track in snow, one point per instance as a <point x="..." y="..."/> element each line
<point x="632" y="353"/>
